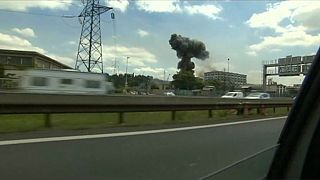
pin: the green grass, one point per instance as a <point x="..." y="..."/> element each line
<point x="18" y="123"/>
<point x="83" y="121"/>
<point x="23" y="122"/>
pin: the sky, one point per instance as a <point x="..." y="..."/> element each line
<point x="247" y="32"/>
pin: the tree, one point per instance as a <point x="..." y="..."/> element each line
<point x="133" y="81"/>
<point x="186" y="80"/>
<point x="219" y="86"/>
<point x="216" y="83"/>
<point x="154" y="86"/>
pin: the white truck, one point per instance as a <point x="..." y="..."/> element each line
<point x="59" y="82"/>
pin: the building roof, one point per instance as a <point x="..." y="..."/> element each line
<point x="225" y="72"/>
<point x="33" y="53"/>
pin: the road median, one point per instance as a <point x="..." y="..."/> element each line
<point x="80" y="121"/>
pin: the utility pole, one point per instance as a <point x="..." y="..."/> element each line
<point x="115" y="66"/>
<point x="169" y="85"/>
<point x="228" y="64"/>
<point x="164" y="79"/>
<point x="89" y="55"/>
<point x="126" y="83"/>
<point x="224" y="80"/>
<point x="228" y="76"/>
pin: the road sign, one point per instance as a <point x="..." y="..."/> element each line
<point x="308" y="59"/>
<point x="289" y="70"/>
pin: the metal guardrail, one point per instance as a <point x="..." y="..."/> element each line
<point x="65" y="103"/>
<point x="24" y="103"/>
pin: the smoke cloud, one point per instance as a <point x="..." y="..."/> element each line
<point x="204" y="66"/>
<point x="186" y="49"/>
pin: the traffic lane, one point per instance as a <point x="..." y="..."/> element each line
<point x="174" y="155"/>
<point x="47" y="133"/>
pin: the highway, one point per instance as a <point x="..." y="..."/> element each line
<point x="188" y="153"/>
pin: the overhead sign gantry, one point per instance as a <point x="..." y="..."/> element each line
<point x="288" y="66"/>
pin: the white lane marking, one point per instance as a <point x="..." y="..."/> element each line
<point x="94" y="136"/>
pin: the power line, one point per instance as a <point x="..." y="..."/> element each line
<point x="38" y="14"/>
<point x="114" y="36"/>
<point x="59" y="1"/>
<point x="71" y="3"/>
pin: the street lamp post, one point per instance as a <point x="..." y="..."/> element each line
<point x="164" y="79"/>
<point x="228" y="64"/>
<point x="224" y="80"/>
<point x="126" y="83"/>
<point x="228" y="76"/>
<point x="169" y="86"/>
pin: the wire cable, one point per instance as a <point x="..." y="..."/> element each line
<point x="38" y="14"/>
<point x="115" y="37"/>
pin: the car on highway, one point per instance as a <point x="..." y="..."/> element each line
<point x="233" y="95"/>
<point x="133" y="92"/>
<point x="258" y="96"/>
<point x="169" y="94"/>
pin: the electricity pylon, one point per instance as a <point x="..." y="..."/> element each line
<point x="89" y="55"/>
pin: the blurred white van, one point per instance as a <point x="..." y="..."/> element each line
<point x="60" y="81"/>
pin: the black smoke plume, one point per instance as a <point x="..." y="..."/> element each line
<point x="186" y="49"/>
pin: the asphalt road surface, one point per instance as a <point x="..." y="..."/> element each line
<point x="182" y="154"/>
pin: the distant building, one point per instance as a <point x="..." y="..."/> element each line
<point x="293" y="90"/>
<point x="252" y="87"/>
<point x="298" y="86"/>
<point x="13" y="59"/>
<point x="161" y="84"/>
<point x="276" y="89"/>
<point x="227" y="77"/>
<point x="249" y="88"/>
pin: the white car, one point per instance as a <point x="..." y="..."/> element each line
<point x="258" y="96"/>
<point x="233" y="95"/>
<point x="169" y="94"/>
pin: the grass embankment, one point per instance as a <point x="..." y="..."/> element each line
<point x="26" y="122"/>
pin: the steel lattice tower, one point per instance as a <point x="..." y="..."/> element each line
<point x="90" y="48"/>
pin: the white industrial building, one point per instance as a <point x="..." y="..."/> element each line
<point x="226" y="77"/>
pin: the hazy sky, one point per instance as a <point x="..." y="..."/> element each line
<point x="246" y="32"/>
